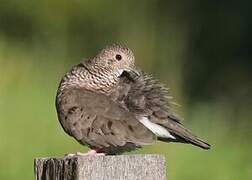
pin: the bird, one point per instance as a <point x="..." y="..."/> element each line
<point x="112" y="106"/>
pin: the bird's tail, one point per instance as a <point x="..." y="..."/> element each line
<point x="183" y="135"/>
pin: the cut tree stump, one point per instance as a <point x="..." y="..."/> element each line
<point x="123" y="167"/>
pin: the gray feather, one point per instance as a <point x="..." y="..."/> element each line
<point x="97" y="121"/>
<point x="146" y="97"/>
<point x="109" y="105"/>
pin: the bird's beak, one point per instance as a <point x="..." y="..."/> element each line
<point x="131" y="73"/>
<point x="132" y="70"/>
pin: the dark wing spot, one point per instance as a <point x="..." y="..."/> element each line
<point x="130" y="128"/>
<point x="88" y="131"/>
<point x="109" y="124"/>
<point x="72" y="109"/>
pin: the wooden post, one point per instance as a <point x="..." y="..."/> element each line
<point x="123" y="167"/>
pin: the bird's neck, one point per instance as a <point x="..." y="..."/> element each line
<point x="100" y="79"/>
<point x="91" y="78"/>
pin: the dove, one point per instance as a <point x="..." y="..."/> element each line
<point x="111" y="106"/>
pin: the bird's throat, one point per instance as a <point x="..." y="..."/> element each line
<point x="95" y="79"/>
<point x="102" y="82"/>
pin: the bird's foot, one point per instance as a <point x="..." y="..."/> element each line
<point x="92" y="152"/>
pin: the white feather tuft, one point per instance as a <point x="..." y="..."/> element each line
<point x="156" y="129"/>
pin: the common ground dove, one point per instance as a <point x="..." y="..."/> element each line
<point x="111" y="106"/>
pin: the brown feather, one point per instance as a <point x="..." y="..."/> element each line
<point x="146" y="97"/>
<point x="94" y="119"/>
<point x="105" y="111"/>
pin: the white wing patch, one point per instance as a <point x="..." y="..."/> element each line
<point x="156" y="129"/>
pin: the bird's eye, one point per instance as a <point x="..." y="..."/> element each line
<point x="118" y="57"/>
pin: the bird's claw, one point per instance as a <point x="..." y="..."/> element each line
<point x="89" y="153"/>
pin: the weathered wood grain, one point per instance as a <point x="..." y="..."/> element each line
<point x="123" y="167"/>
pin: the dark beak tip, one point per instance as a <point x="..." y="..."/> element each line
<point x="130" y="74"/>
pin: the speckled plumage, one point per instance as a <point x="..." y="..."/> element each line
<point x="109" y="105"/>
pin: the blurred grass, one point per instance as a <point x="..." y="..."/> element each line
<point x="29" y="127"/>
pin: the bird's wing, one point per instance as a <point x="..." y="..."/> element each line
<point x="144" y="96"/>
<point x="149" y="101"/>
<point x="96" y="120"/>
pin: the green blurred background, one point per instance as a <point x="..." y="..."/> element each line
<point x="200" y="49"/>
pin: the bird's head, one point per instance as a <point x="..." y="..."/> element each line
<point x="116" y="59"/>
<point x="102" y="72"/>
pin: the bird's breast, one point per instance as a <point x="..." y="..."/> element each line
<point x="102" y="83"/>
